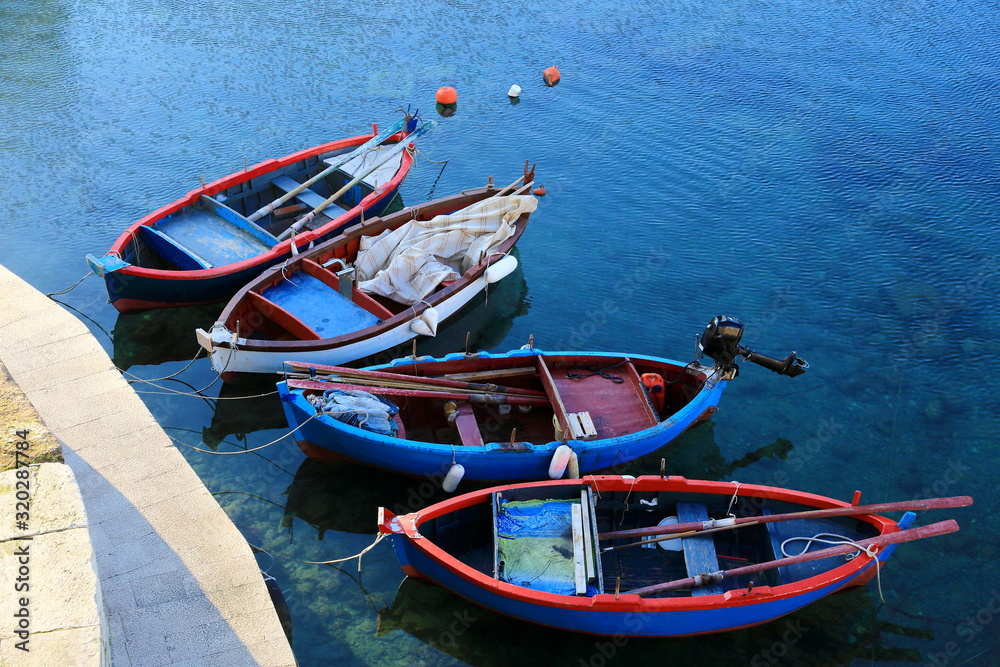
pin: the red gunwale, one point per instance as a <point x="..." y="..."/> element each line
<point x="634" y="603"/>
<point x="258" y="169"/>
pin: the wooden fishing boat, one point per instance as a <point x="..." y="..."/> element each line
<point x="376" y="286"/>
<point x="206" y="245"/>
<point x="604" y="555"/>
<point x="540" y="415"/>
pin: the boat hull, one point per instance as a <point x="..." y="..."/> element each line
<point x="626" y="617"/>
<point x="132" y="287"/>
<point x="326" y="438"/>
<point x="628" y="614"/>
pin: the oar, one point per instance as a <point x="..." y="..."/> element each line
<point x="340" y="161"/>
<point x="382" y="159"/>
<point x="393" y="384"/>
<point x="671" y="537"/>
<point x="940" y="528"/>
<point x="483" y="398"/>
<point x="902" y="506"/>
<point x="414" y="379"/>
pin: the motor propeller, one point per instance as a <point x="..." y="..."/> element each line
<point x="721" y="341"/>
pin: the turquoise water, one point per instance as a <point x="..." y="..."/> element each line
<point x="825" y="170"/>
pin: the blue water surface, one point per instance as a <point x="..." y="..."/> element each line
<point x="826" y="170"/>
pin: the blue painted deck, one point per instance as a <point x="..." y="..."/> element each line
<point x="319" y="306"/>
<point x="210" y="237"/>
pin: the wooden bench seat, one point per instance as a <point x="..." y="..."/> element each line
<point x="307" y="196"/>
<point x="700" y="556"/>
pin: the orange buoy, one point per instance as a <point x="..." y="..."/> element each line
<point x="551" y="76"/>
<point x="656" y="390"/>
<point x="446" y="95"/>
<point x="539" y="191"/>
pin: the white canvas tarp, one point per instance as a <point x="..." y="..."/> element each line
<point x="406" y="265"/>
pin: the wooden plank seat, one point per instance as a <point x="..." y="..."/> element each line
<point x="308" y="197"/>
<point x="700" y="556"/>
<point x="317" y="305"/>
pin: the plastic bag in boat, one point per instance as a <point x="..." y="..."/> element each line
<point x="358" y="408"/>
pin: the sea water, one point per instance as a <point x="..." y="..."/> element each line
<point x="825" y="170"/>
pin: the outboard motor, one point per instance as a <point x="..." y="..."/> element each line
<point x="721" y="342"/>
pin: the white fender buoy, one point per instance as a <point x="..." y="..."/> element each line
<point x="560" y="459"/>
<point x="430" y="317"/>
<point x="419" y="327"/>
<point x="514" y="91"/>
<point x="669" y="545"/>
<point x="501" y="269"/>
<point x="455" y="474"/>
<point x="573" y="468"/>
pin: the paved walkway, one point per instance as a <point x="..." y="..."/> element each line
<point x="179" y="582"/>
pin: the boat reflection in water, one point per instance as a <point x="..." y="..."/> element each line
<point x="151" y="337"/>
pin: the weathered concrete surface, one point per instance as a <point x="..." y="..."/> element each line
<point x="18" y="415"/>
<point x="49" y="573"/>
<point x="180" y="583"/>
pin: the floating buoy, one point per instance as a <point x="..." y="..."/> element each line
<point x="540" y="191"/>
<point x="455" y="474"/>
<point x="501" y="269"/>
<point x="447" y="95"/>
<point x="551" y="76"/>
<point x="514" y="91"/>
<point x="560" y="459"/>
<point x="573" y="468"/>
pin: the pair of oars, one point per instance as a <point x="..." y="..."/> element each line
<point x="875" y="543"/>
<point x="397" y="384"/>
<point x="724" y="524"/>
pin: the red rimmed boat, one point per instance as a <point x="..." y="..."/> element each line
<point x="564" y="554"/>
<point x="206" y="245"/>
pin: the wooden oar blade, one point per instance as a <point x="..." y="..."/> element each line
<point x="909" y="535"/>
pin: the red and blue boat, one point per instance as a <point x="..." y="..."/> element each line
<point x="520" y="415"/>
<point x="206" y="245"/>
<point x="650" y="556"/>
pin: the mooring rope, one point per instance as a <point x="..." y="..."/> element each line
<point x="242" y="451"/>
<point x="71" y="287"/>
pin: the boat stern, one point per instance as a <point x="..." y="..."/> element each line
<point x="401" y="529"/>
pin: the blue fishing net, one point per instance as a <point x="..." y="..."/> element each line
<point x="358" y="408"/>
<point x="535" y="545"/>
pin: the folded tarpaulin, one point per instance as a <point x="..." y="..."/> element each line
<point x="406" y="264"/>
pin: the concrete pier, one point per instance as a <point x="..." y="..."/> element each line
<point x="178" y="581"/>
